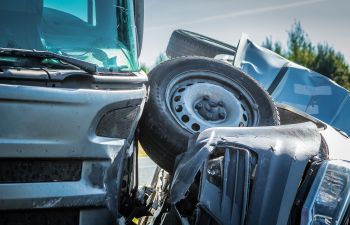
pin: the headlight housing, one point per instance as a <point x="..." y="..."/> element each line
<point x="329" y="196"/>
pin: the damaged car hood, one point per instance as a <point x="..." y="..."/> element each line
<point x="295" y="85"/>
<point x="260" y="171"/>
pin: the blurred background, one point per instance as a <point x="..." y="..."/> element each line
<point x="323" y="20"/>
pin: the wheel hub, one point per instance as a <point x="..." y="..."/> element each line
<point x="201" y="104"/>
<point x="211" y="110"/>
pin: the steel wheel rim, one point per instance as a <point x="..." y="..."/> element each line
<point x="198" y="100"/>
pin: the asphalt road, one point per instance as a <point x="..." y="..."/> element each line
<point x="146" y="170"/>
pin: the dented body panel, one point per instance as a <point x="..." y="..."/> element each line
<point x="295" y="85"/>
<point x="276" y="159"/>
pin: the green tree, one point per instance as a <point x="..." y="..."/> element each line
<point x="160" y="58"/>
<point x="321" y="58"/>
<point x="276" y="47"/>
<point x="144" y="67"/>
<point x="300" y="48"/>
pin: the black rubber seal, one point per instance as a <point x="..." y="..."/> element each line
<point x="278" y="78"/>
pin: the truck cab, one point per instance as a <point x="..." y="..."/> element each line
<point x="71" y="94"/>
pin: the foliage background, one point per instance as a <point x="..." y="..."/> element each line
<point x="320" y="57"/>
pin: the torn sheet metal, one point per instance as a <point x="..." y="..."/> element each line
<point x="295" y="85"/>
<point x="264" y="165"/>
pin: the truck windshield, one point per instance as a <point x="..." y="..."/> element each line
<point x="97" y="31"/>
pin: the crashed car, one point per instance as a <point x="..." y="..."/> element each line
<point x="72" y="95"/>
<point x="229" y="87"/>
<point x="272" y="175"/>
<point x="264" y="161"/>
<point x="287" y="174"/>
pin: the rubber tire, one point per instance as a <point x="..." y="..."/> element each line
<point x="160" y="135"/>
<point x="186" y="43"/>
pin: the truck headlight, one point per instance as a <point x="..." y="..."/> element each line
<point x="329" y="196"/>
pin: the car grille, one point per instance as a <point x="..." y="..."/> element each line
<point x="227" y="183"/>
<point x="40" y="217"/>
<point x="42" y="170"/>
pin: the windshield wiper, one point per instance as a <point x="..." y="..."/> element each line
<point x="83" y="65"/>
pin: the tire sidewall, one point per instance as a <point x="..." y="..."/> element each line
<point x="170" y="138"/>
<point x="163" y="74"/>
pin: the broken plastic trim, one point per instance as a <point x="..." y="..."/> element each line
<point x="282" y="154"/>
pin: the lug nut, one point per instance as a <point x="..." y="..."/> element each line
<point x="222" y="115"/>
<point x="220" y="103"/>
<point x="209" y="115"/>
<point x="206" y="98"/>
<point x="212" y="104"/>
<point x="199" y="106"/>
<point x="241" y="124"/>
<point x="207" y="106"/>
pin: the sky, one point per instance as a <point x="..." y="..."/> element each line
<point x="225" y="20"/>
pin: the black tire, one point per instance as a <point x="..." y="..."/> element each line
<point x="161" y="135"/>
<point x="186" y="43"/>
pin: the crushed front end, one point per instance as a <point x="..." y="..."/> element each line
<point x="265" y="175"/>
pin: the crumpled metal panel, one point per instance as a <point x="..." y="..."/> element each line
<point x="297" y="86"/>
<point x="282" y="154"/>
<point x="225" y="185"/>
